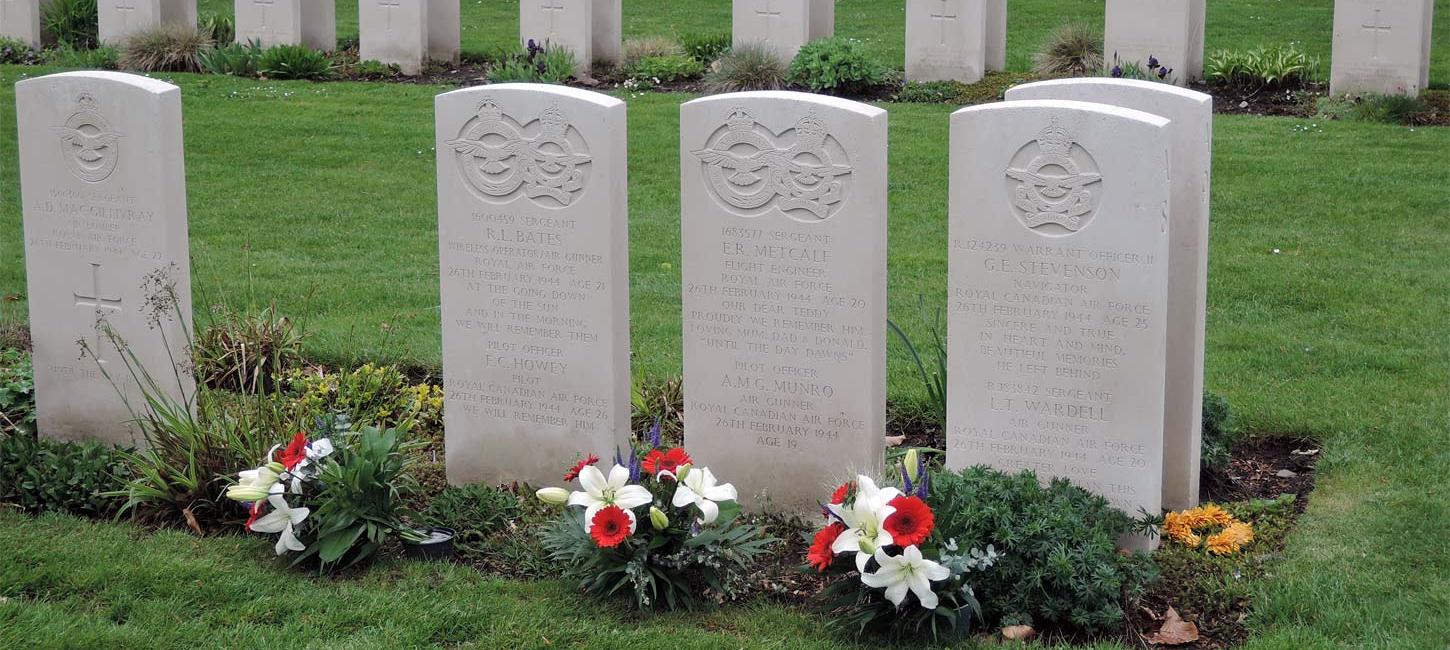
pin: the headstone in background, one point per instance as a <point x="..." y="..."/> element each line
<point x="1381" y="46"/>
<point x="946" y="40"/>
<point x="269" y="22"/>
<point x="533" y="235"/>
<point x="1190" y="115"/>
<point x="119" y="19"/>
<point x="395" y="32"/>
<point x="823" y="20"/>
<point x="103" y="190"/>
<point x="319" y="24"/>
<point x="445" y="30"/>
<point x="1058" y="260"/>
<point x="20" y="20"/>
<point x="1169" y="30"/>
<point x="783" y="223"/>
<point x="781" y="25"/>
<point x="560" y="23"/>
<point x="996" y="35"/>
<point x="608" y="37"/>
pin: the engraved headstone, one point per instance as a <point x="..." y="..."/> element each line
<point x="560" y="23"/>
<point x="1057" y="292"/>
<point x="394" y="31"/>
<point x="782" y="25"/>
<point x="20" y="20"/>
<point x="533" y="238"/>
<point x="996" y="35"/>
<point x="1169" y="30"/>
<point x="103" y="191"/>
<point x="823" y="20"/>
<point x="783" y="220"/>
<point x="1381" y="46"/>
<point x="319" y="24"/>
<point x="445" y="30"/>
<point x="119" y="19"/>
<point x="608" y="38"/>
<point x="269" y="22"/>
<point x="1190" y="115"/>
<point x="946" y="40"/>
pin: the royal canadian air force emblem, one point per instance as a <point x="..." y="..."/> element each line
<point x="804" y="173"/>
<point x="89" y="146"/>
<point x="499" y="159"/>
<point x="1054" y="182"/>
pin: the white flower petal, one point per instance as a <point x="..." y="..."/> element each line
<point x="896" y="593"/>
<point x="632" y="496"/>
<point x="724" y="492"/>
<point x="593" y="482"/>
<point x="272" y="522"/>
<point x="848" y="540"/>
<point x="298" y="515"/>
<point x="581" y="499"/>
<point x="618" y="476"/>
<point x="708" y="510"/>
<point x="683" y="496"/>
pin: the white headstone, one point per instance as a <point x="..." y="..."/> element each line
<point x="103" y="190"/>
<point x="560" y="23"/>
<point x="533" y="234"/>
<point x="20" y="20"/>
<point x="1190" y="115"/>
<point x="445" y="30"/>
<point x="608" y="38"/>
<point x="782" y="25"/>
<point x="394" y="31"/>
<point x="270" y="22"/>
<point x="1381" y="46"/>
<point x="783" y="220"/>
<point x="1168" y="30"/>
<point x="319" y="24"/>
<point x="119" y="19"/>
<point x="823" y="20"/>
<point x="1058" y="287"/>
<point x="946" y="40"/>
<point x="996" y="35"/>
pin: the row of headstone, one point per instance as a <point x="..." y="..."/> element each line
<point x="1078" y="220"/>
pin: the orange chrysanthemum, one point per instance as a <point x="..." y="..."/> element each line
<point x="1185" y="527"/>
<point x="1231" y="539"/>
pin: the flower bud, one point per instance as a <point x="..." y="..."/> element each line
<point x="867" y="545"/>
<point x="553" y="496"/>
<point x="276" y="467"/>
<point x="246" y="493"/>
<point x="681" y="471"/>
<point x="913" y="463"/>
<point x="658" y="519"/>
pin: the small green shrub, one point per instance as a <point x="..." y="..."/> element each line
<point x="294" y="62"/>
<point x="67" y="56"/>
<point x="17" y="52"/>
<point x="748" y="67"/>
<point x="1388" y="109"/>
<point x="236" y="59"/>
<point x="706" y="47"/>
<point x="1060" y="569"/>
<point x="41" y="475"/>
<point x="474" y="511"/>
<point x="374" y="69"/>
<point x="1074" y="50"/>
<point x="73" y="23"/>
<point x="360" y="504"/>
<point x="220" y="29"/>
<point x="659" y="400"/>
<point x="1278" y="67"/>
<point x="17" y="393"/>
<point x="837" y="65"/>
<point x="930" y="92"/>
<point x="380" y="396"/>
<point x="667" y="69"/>
<point x="639" y="49"/>
<point x="248" y="353"/>
<point x="165" y="48"/>
<point x="534" y="64"/>
<point x="1217" y="440"/>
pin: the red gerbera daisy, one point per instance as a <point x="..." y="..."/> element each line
<point x="256" y="513"/>
<point x="657" y="461"/>
<point x="912" y="522"/>
<point x="611" y="526"/>
<point x="579" y="466"/>
<point x="295" y="453"/>
<point x="839" y="496"/>
<point x="820" y="555"/>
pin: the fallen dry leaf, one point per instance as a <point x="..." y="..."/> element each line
<point x="1018" y="632"/>
<point x="1304" y="452"/>
<point x="1175" y="630"/>
<point x="1286" y="473"/>
<point x="895" y="441"/>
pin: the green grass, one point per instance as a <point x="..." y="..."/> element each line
<point x="1232" y="24"/>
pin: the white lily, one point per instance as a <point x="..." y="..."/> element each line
<point x="699" y="487"/>
<point x="255" y="484"/>
<point x="281" y="520"/>
<point x="307" y="469"/>
<point x="600" y="492"/>
<point x="864" y="517"/>
<point x="906" y="571"/>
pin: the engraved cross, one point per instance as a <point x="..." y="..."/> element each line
<point x="128" y="9"/>
<point x="553" y="9"/>
<point x="390" y="5"/>
<point x="765" y="13"/>
<point x="1377" y="28"/>
<point x="98" y="302"/>
<point x="263" y="5"/>
<point x="941" y="20"/>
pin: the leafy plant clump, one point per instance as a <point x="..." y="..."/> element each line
<point x="67" y="56"/>
<point x="1060" y="568"/>
<point x="14" y="51"/>
<point x="837" y="65"/>
<point x="1216" y="445"/>
<point x="17" y="393"/>
<point x="72" y="23"/>
<point x="639" y="49"/>
<point x="41" y="475"/>
<point x="930" y="92"/>
<point x="380" y="396"/>
<point x="171" y="47"/>
<point x="706" y="47"/>
<point x="1074" y="50"/>
<point x="474" y="511"/>
<point x="666" y="69"/>
<point x="535" y="64"/>
<point x="930" y="360"/>
<point x="294" y="62"/>
<point x="659" y="402"/>
<point x="748" y="67"/>
<point x="248" y="353"/>
<point x="220" y="29"/>
<point x="1274" y="68"/>
<point x="236" y="59"/>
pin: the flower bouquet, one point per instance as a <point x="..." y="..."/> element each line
<point x="338" y="504"/>
<point x="900" y="577"/>
<point x="654" y="524"/>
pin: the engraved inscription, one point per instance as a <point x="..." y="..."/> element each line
<point x="500" y="161"/>
<point x="804" y="173"/>
<point x="89" y="146"/>
<point x="1051" y="182"/>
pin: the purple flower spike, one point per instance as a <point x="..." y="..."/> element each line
<point x="1164" y="72"/>
<point x="654" y="434"/>
<point x="905" y="480"/>
<point x="1152" y="61"/>
<point x="1117" y="71"/>
<point x="635" y="468"/>
<point x="923" y="489"/>
<point x="619" y="458"/>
